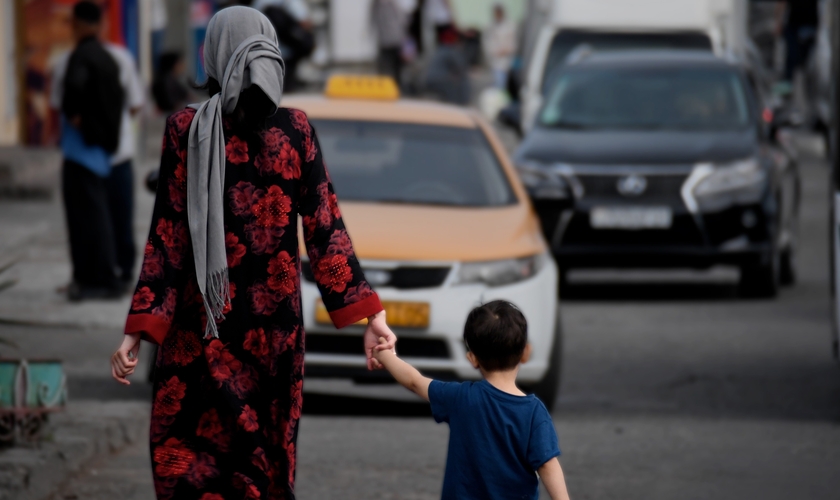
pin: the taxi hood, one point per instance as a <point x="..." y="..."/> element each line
<point x="383" y="231"/>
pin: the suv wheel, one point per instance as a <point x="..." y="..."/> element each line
<point x="787" y="268"/>
<point x="761" y="280"/>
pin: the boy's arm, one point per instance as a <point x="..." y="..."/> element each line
<point x="552" y="477"/>
<point x="404" y="373"/>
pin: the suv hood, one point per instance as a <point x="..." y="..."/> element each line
<point x="636" y="147"/>
<point x="428" y="233"/>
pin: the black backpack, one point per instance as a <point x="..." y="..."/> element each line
<point x="92" y="91"/>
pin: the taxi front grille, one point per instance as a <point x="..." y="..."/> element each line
<point x="404" y="278"/>
<point x="409" y="347"/>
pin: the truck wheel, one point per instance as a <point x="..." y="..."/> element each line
<point x="548" y="389"/>
<point x="761" y="280"/>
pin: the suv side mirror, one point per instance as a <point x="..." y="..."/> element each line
<point x="511" y="117"/>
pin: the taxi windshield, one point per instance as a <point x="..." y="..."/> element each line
<point x="413" y="164"/>
<point x="663" y="98"/>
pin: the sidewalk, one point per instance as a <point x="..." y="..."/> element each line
<point x="104" y="424"/>
<point x="72" y="439"/>
<point x="34" y="257"/>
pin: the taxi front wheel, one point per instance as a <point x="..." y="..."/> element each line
<point x="548" y="389"/>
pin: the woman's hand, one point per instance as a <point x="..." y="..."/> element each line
<point x="377" y="328"/>
<point x="124" y="361"/>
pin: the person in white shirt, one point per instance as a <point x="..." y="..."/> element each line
<point x="500" y="45"/>
<point x="120" y="182"/>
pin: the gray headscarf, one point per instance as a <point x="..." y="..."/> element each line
<point x="240" y="50"/>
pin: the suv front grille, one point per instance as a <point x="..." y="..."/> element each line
<point x="404" y="278"/>
<point x="663" y="189"/>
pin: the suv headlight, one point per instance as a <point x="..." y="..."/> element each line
<point x="543" y="182"/>
<point x="721" y="186"/>
<point x="501" y="272"/>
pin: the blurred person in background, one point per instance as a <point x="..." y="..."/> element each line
<point x="88" y="93"/>
<point x="390" y="21"/>
<point x="119" y="182"/>
<point x="168" y="88"/>
<point x="500" y="45"/>
<point x="157" y="24"/>
<point x="448" y="72"/>
<point x="797" y="21"/>
<point x="291" y="20"/>
<point x="219" y="289"/>
<point x="439" y="14"/>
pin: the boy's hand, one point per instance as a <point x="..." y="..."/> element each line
<point x="380" y="350"/>
<point x="377" y="329"/>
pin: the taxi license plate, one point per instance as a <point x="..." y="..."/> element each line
<point x="399" y="314"/>
<point x="631" y="218"/>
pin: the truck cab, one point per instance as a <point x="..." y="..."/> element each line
<point x="564" y="26"/>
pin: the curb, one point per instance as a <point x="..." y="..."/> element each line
<point x="72" y="439"/>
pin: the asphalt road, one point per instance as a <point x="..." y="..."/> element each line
<point x="675" y="389"/>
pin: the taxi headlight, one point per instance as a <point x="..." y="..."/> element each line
<point x="542" y="182"/>
<point x="501" y="272"/>
<point x="741" y="182"/>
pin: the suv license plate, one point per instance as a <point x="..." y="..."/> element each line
<point x="630" y="218"/>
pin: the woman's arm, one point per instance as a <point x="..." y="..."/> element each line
<point x="166" y="255"/>
<point x="552" y="477"/>
<point x="347" y="296"/>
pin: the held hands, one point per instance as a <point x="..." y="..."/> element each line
<point x="376" y="335"/>
<point x="382" y="350"/>
<point x="124" y="361"/>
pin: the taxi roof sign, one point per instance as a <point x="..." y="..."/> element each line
<point x="362" y="87"/>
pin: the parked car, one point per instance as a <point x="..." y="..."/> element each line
<point x="662" y="159"/>
<point x="440" y="222"/>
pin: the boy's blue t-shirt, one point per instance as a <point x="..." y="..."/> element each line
<point x="497" y="440"/>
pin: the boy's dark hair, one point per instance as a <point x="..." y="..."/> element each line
<point x="496" y="333"/>
<point x="88" y="12"/>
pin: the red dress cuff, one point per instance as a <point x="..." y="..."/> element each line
<point x="355" y="312"/>
<point x="151" y="327"/>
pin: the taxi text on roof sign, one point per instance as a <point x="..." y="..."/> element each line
<point x="362" y="87"/>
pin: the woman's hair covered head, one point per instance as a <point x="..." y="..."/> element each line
<point x="226" y="31"/>
<point x="243" y="63"/>
<point x="496" y="333"/>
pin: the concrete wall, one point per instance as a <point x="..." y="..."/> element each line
<point x="8" y="81"/>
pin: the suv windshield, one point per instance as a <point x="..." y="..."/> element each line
<point x="662" y="98"/>
<point x="566" y="41"/>
<point x="416" y="164"/>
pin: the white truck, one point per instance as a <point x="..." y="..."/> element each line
<point x="557" y="27"/>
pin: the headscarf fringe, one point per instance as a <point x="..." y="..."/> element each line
<point x="215" y="299"/>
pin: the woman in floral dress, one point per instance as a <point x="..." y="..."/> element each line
<point x="228" y="383"/>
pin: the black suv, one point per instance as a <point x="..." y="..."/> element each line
<point x="662" y="159"/>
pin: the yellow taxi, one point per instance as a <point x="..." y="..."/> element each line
<point x="440" y="223"/>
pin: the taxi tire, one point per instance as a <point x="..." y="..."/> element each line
<point x="548" y="389"/>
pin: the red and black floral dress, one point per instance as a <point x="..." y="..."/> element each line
<point x="225" y="412"/>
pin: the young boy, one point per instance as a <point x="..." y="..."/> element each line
<point x="499" y="438"/>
